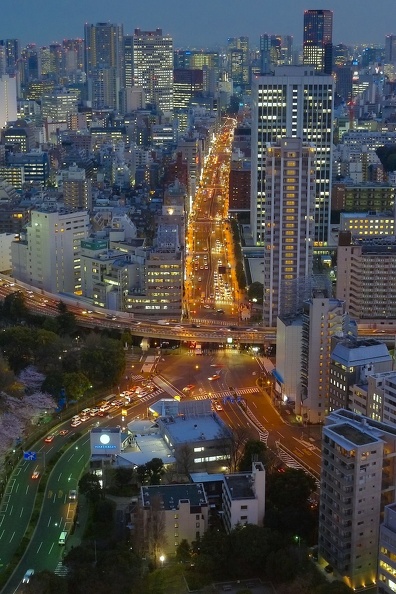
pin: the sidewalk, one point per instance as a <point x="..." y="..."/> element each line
<point x="81" y="519"/>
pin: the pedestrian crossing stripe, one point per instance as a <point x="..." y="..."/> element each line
<point x="227" y="394"/>
<point x="61" y="570"/>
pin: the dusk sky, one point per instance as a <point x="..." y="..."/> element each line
<point x="203" y="23"/>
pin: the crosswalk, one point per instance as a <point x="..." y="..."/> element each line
<point x="226" y="393"/>
<point x="61" y="570"/>
<point x="136" y="378"/>
<point x="151" y="395"/>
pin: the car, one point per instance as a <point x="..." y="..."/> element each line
<point x="214" y="377"/>
<point x="49" y="438"/>
<point x="220" y="311"/>
<point x="94" y="411"/>
<point x="27" y="576"/>
<point x="188" y="388"/>
<point x="75" y="423"/>
<point x="141" y="394"/>
<point x="35" y="474"/>
<point x="206" y="306"/>
<point x="64" y="432"/>
<point x="217" y="405"/>
<point x="84" y="418"/>
<point x="72" y="495"/>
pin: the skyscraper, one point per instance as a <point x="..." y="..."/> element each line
<point x="318" y="39"/>
<point x="288" y="223"/>
<point x="153" y="67"/>
<point x="238" y="60"/>
<point x="390" y="49"/>
<point x="294" y="102"/>
<point x="104" y="63"/>
<point x="8" y="100"/>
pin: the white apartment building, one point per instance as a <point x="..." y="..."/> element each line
<point x="180" y="510"/>
<point x="244" y="497"/>
<point x="287" y="224"/>
<point x="357" y="481"/>
<point x="296" y="101"/>
<point x="48" y="254"/>
<point x="323" y="318"/>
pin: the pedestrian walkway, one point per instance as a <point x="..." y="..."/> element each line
<point x="227" y="393"/>
<point x="61" y="569"/>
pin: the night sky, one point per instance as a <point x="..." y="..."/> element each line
<point x="194" y="23"/>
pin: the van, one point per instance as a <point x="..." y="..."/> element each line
<point x="85" y="412"/>
<point x="63" y="537"/>
<point x="75" y="418"/>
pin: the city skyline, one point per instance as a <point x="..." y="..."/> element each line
<point x="210" y="24"/>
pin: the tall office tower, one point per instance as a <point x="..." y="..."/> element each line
<point x="390" y="49"/>
<point x="358" y="474"/>
<point x="294" y="102"/>
<point x="3" y="67"/>
<point x="196" y="59"/>
<point x="187" y="83"/>
<point x="128" y="61"/>
<point x="73" y="55"/>
<point x="270" y="52"/>
<point x="318" y="39"/>
<point x="238" y="60"/>
<point x="13" y="53"/>
<point x="341" y="55"/>
<point x="287" y="50"/>
<point x="8" y="100"/>
<point x="59" y="105"/>
<point x="104" y="62"/>
<point x="153" y="67"/>
<point x="77" y="189"/>
<point x="288" y="224"/>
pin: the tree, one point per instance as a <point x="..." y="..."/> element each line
<point x="231" y="444"/>
<point x="76" y="384"/>
<point x="184" y="459"/>
<point x="183" y="551"/>
<point x="14" y="306"/>
<point x="89" y="486"/>
<point x="17" y="343"/>
<point x="103" y="360"/>
<point x="155" y="528"/>
<point x="253" y="451"/>
<point x="256" y="291"/>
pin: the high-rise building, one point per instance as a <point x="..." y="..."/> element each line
<point x="8" y="100"/>
<point x="77" y="189"/>
<point x="104" y="63"/>
<point x="357" y="481"/>
<point x="288" y="223"/>
<point x="153" y="67"/>
<point x="366" y="276"/>
<point x="390" y="49"/>
<point x="73" y="55"/>
<point x="48" y="253"/>
<point x="128" y="61"/>
<point x="238" y="60"/>
<point x="294" y="102"/>
<point x="318" y="39"/>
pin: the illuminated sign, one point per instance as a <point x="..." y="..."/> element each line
<point x="105" y="440"/>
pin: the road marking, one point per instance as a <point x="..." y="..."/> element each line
<point x="80" y="458"/>
<point x="13" y="534"/>
<point x="254" y="404"/>
<point x="27" y="489"/>
<point x="52" y="546"/>
<point x="2" y="534"/>
<point x="54" y="498"/>
<point x="59" y="476"/>
<point x="41" y="544"/>
<point x="17" y="487"/>
<point x="12" y="509"/>
<point x="20" y="515"/>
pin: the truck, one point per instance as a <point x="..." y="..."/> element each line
<point x="63" y="537"/>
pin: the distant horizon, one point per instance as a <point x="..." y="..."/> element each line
<point x="203" y="26"/>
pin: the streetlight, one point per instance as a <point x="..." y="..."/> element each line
<point x="162" y="559"/>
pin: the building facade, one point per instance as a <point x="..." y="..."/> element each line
<point x="318" y="39"/>
<point x="48" y="253"/>
<point x="290" y="167"/>
<point x="294" y="102"/>
<point x="153" y="67"/>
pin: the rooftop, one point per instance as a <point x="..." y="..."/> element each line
<point x="240" y="486"/>
<point x="353" y="434"/>
<point x="172" y="495"/>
